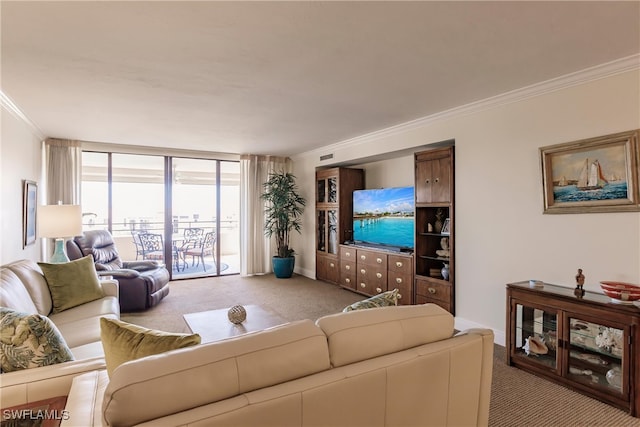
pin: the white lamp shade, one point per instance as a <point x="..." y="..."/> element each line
<point x="57" y="221"/>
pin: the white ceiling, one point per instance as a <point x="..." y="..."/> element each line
<point x="285" y="77"/>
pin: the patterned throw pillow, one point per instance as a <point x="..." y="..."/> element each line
<point x="124" y="341"/>
<point x="29" y="341"/>
<point x="381" y="300"/>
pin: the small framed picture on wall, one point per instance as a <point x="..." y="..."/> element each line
<point x="29" y="206"/>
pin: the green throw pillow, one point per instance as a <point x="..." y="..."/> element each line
<point x="381" y="300"/>
<point x="124" y="341"/>
<point x="72" y="283"/>
<point x="29" y="341"/>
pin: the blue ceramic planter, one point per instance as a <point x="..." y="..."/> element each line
<point x="283" y="267"/>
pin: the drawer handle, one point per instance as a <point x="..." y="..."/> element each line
<point x="363" y="257"/>
<point x="398" y="264"/>
<point x="347" y="267"/>
<point x="432" y="290"/>
<point x="362" y="285"/>
<point x="378" y="290"/>
<point x="398" y="280"/>
<point x="331" y="265"/>
<point x="379" y="275"/>
<point x="427" y="181"/>
<point x="347" y="280"/>
<point x="363" y="271"/>
<point x="347" y="254"/>
<point x="437" y="179"/>
<point x="379" y="260"/>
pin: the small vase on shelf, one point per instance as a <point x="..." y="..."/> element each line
<point x="445" y="271"/>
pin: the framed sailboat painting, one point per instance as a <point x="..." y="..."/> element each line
<point x="592" y="175"/>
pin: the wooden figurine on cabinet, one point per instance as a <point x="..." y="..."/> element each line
<point x="579" y="291"/>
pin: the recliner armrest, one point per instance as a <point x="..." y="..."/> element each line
<point x="124" y="273"/>
<point x="142" y="265"/>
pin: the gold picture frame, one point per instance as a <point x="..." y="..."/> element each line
<point x="591" y="175"/>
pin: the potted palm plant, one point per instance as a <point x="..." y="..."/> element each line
<point x="283" y="213"/>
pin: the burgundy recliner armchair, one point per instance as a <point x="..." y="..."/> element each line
<point x="143" y="284"/>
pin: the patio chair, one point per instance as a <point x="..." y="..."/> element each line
<point x="136" y="241"/>
<point x="201" y="249"/>
<point x="152" y="246"/>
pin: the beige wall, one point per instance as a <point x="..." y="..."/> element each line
<point x="20" y="159"/>
<point x="501" y="232"/>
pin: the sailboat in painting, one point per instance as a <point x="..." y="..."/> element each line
<point x="591" y="176"/>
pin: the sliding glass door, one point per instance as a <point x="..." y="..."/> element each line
<point x="179" y="211"/>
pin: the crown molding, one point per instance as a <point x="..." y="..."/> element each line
<point x="12" y="108"/>
<point x="619" y="66"/>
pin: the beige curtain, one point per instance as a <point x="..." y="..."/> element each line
<point x="256" y="249"/>
<point x="63" y="164"/>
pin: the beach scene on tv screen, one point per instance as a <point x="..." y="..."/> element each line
<point x="384" y="216"/>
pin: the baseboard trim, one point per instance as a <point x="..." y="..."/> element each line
<point x="461" y="324"/>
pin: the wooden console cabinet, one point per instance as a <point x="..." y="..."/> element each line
<point x="334" y="216"/>
<point x="371" y="271"/>
<point x="587" y="343"/>
<point x="434" y="196"/>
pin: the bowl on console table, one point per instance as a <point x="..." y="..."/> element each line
<point x="621" y="292"/>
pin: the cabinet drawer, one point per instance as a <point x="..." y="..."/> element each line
<point x="371" y="282"/>
<point x="347" y="253"/>
<point x="400" y="264"/>
<point x="402" y="282"/>
<point x="372" y="258"/>
<point x="333" y="270"/>
<point x="398" y="280"/>
<point x="348" y="267"/>
<point x="348" y="280"/>
<point x="433" y="290"/>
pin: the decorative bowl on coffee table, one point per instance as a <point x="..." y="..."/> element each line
<point x="621" y="292"/>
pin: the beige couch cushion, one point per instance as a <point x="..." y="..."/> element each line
<point x="33" y="280"/>
<point x="196" y="376"/>
<point x="364" y="334"/>
<point x="13" y="294"/>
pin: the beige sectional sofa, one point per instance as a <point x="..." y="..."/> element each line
<point x="391" y="366"/>
<point x="24" y="288"/>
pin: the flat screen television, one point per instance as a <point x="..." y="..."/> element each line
<point x="384" y="217"/>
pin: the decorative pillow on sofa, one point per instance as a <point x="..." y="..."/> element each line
<point x="381" y="300"/>
<point x="29" y="341"/>
<point x="72" y="283"/>
<point x="124" y="341"/>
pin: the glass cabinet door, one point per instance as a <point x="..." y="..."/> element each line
<point x="596" y="355"/>
<point x="327" y="230"/>
<point x="536" y="335"/>
<point x="327" y="190"/>
<point x="332" y="189"/>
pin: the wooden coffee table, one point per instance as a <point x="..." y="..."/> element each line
<point x="214" y="325"/>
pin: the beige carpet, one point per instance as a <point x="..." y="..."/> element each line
<point x="517" y="399"/>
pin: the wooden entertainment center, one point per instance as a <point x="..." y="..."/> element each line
<point x="372" y="270"/>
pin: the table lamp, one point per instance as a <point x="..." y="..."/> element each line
<point x="58" y="222"/>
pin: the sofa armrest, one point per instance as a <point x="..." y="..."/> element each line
<point x="110" y="287"/>
<point x="30" y="385"/>
<point x="84" y="403"/>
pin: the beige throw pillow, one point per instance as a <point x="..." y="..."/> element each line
<point x="124" y="341"/>
<point x="72" y="283"/>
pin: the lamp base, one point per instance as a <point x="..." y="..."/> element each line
<point x="59" y="255"/>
